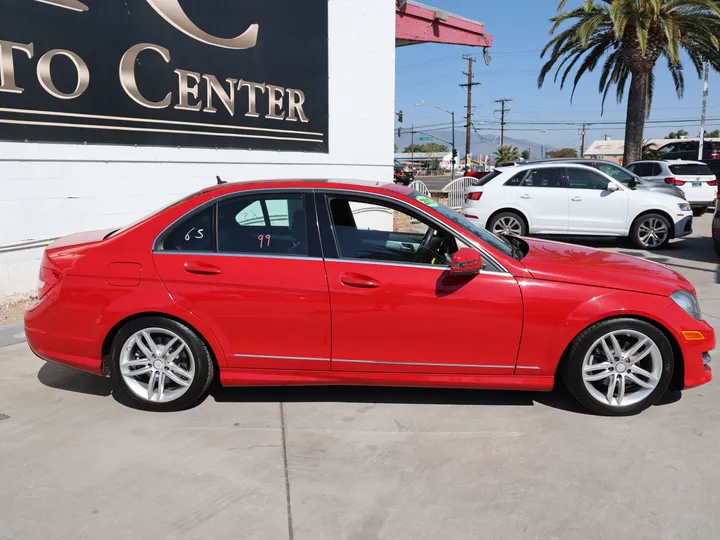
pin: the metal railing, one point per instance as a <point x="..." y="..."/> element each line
<point x="456" y="191"/>
<point x="420" y="186"/>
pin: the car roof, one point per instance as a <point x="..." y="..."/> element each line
<point x="351" y="184"/>
<point x="543" y="165"/>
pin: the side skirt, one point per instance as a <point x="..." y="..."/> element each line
<point x="283" y="377"/>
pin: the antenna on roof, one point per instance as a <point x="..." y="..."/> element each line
<point x="220" y="181"/>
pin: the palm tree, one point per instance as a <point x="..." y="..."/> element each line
<point x="629" y="37"/>
<point x="507" y="152"/>
<point x="650" y="152"/>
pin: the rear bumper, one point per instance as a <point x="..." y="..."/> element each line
<point x="53" y="335"/>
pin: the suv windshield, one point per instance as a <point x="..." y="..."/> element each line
<point x="498" y="242"/>
<point x="691" y="169"/>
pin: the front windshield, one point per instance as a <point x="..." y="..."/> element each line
<point x="497" y="242"/>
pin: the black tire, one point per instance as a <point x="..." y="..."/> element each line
<point x="204" y="366"/>
<point x="571" y="370"/>
<point x="698" y="212"/>
<point x="523" y="228"/>
<point x="717" y="247"/>
<point x="635" y="231"/>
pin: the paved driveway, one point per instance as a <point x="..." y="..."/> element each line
<point x="358" y="464"/>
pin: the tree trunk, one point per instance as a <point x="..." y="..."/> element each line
<point x="635" y="118"/>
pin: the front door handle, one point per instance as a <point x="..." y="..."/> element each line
<point x="576" y="199"/>
<point x="202" y="269"/>
<point x="525" y="196"/>
<point x="361" y="281"/>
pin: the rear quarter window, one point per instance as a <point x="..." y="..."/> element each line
<point x="691" y="169"/>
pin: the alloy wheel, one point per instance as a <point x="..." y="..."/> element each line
<point x="507" y="225"/>
<point x="653" y="232"/>
<point x="622" y="368"/>
<point x="157" y="365"/>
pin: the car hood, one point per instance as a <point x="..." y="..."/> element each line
<point x="556" y="261"/>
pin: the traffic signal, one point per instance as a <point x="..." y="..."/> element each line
<point x="399" y="132"/>
<point x="400" y="117"/>
<point x="454" y="153"/>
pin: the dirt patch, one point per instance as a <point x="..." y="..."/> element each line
<point x="13" y="310"/>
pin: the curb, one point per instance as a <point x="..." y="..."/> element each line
<point x="11" y="334"/>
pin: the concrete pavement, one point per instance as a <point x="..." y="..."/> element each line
<point x="359" y="463"/>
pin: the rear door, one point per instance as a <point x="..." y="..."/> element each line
<point x="543" y="197"/>
<point x="593" y="208"/>
<point x="250" y="266"/>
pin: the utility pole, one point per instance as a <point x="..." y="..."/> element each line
<point x="469" y="85"/>
<point x="582" y="134"/>
<point x="704" y="111"/>
<point x="503" y="110"/>
<point x="412" y="147"/>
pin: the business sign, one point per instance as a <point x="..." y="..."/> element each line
<point x="206" y="73"/>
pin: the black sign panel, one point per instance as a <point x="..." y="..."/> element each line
<point x="205" y="73"/>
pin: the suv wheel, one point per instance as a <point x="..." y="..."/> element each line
<point x="650" y="231"/>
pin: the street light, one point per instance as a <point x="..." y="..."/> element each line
<point x="451" y="113"/>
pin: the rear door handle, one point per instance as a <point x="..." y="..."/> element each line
<point x="576" y="199"/>
<point x="361" y="281"/>
<point x="525" y="196"/>
<point x="202" y="269"/>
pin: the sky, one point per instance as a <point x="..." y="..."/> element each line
<point x="520" y="29"/>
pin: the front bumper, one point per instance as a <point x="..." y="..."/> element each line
<point x="684" y="227"/>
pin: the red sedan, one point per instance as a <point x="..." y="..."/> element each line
<point x="316" y="283"/>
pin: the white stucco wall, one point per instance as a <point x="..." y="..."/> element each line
<point x="50" y="190"/>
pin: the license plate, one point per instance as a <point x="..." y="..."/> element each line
<point x="697" y="184"/>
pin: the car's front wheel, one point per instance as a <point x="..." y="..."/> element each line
<point x="160" y="364"/>
<point x="651" y="231"/>
<point x="619" y="367"/>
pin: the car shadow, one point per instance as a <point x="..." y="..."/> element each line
<point x="72" y="380"/>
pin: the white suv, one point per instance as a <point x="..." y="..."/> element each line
<point x="564" y="198"/>
<point x="695" y="178"/>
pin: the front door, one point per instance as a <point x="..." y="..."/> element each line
<point x="395" y="308"/>
<point x="258" y="281"/>
<point x="593" y="208"/>
<point x="542" y="197"/>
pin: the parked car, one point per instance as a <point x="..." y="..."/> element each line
<point x="403" y="173"/>
<point x="619" y="173"/>
<point x="689" y="149"/>
<point x="290" y="283"/>
<point x="565" y="198"/>
<point x="695" y="178"/>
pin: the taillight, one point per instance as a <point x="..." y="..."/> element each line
<point x="47" y="280"/>
<point x="674" y="182"/>
<point x="474" y="195"/>
<point x="715" y="154"/>
<point x="713" y="182"/>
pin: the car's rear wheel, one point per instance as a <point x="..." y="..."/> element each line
<point x="651" y="231"/>
<point x="699" y="211"/>
<point x="508" y="223"/>
<point x="619" y="367"/>
<point x="160" y="364"/>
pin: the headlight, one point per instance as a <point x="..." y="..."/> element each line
<point x="685" y="207"/>
<point x="688" y="302"/>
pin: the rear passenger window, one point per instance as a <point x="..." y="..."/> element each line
<point x="271" y="225"/>
<point x="546" y="177"/>
<point x="194" y="233"/>
<point x="517" y="179"/>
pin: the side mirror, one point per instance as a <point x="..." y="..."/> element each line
<point x="612" y="186"/>
<point x="465" y="262"/>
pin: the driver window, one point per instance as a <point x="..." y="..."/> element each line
<point x="371" y="230"/>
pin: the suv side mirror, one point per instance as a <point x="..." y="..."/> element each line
<point x="465" y="262"/>
<point x="612" y="186"/>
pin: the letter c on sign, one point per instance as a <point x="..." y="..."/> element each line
<point x="127" y="74"/>
<point x="172" y="12"/>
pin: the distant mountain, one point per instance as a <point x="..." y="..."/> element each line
<point x="485" y="144"/>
